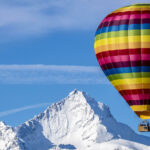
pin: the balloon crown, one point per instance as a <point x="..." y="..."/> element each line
<point x="141" y="4"/>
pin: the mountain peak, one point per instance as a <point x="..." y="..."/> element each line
<point x="76" y="122"/>
<point x="2" y="124"/>
<point x="79" y="93"/>
<point x="75" y="91"/>
<point x="83" y="98"/>
<point x="80" y="96"/>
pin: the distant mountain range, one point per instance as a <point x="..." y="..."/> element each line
<point x="77" y="122"/>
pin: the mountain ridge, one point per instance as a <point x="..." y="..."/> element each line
<point x="76" y="122"/>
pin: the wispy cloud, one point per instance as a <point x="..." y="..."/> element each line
<point x="51" y="74"/>
<point x="30" y="17"/>
<point x="12" y="111"/>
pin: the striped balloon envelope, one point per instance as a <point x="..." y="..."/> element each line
<point x="122" y="47"/>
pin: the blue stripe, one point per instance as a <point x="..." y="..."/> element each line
<point x="123" y="27"/>
<point x="126" y="70"/>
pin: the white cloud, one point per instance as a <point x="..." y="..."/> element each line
<point x="30" y="17"/>
<point x="12" y="111"/>
<point x="51" y="74"/>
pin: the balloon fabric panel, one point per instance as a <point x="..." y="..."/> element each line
<point x="122" y="47"/>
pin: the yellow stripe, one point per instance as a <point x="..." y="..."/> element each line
<point x="120" y="40"/>
<point x="132" y="86"/>
<point x="140" y="107"/>
<point x="121" y="46"/>
<point x="134" y="8"/>
<point x="130" y="81"/>
<point x="143" y="114"/>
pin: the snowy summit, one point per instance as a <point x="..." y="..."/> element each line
<point x="78" y="122"/>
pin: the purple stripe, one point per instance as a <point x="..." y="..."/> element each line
<point x="125" y="64"/>
<point x="121" y="22"/>
<point x="138" y="102"/>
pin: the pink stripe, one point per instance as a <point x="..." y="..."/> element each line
<point x="125" y="17"/>
<point x="137" y="97"/>
<point x="123" y="58"/>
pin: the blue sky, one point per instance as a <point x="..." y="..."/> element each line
<point x="46" y="51"/>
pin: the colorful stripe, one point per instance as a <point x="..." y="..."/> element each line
<point x="134" y="19"/>
<point x="128" y="75"/>
<point x="123" y="70"/>
<point x="125" y="39"/>
<point x="142" y="8"/>
<point x="132" y="86"/>
<point x="124" y="52"/>
<point x="131" y="81"/>
<point x="121" y="16"/>
<point x="143" y="114"/>
<point x="140" y="108"/>
<point x="123" y="58"/>
<point x="125" y="64"/>
<point x="122" y="33"/>
<point x="137" y="91"/>
<point x="123" y="27"/>
<point x="138" y="102"/>
<point x="124" y="22"/>
<point x="122" y="47"/>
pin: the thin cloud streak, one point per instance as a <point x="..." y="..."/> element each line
<point x="12" y="111"/>
<point x="51" y="74"/>
<point x="51" y="67"/>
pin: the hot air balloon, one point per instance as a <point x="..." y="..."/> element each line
<point x="122" y="47"/>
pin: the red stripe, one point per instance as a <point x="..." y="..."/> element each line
<point x="129" y="13"/>
<point x="124" y="58"/>
<point x="135" y="97"/>
<point x="123" y="52"/>
<point x="137" y="91"/>
<point x="125" y="17"/>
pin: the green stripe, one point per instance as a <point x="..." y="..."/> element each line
<point x="128" y="75"/>
<point x="141" y="4"/>
<point x="122" y="34"/>
<point x="125" y="7"/>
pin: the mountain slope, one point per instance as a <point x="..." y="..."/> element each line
<point x="76" y="122"/>
<point x="9" y="139"/>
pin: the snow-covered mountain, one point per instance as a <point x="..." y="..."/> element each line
<point x="77" y="122"/>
